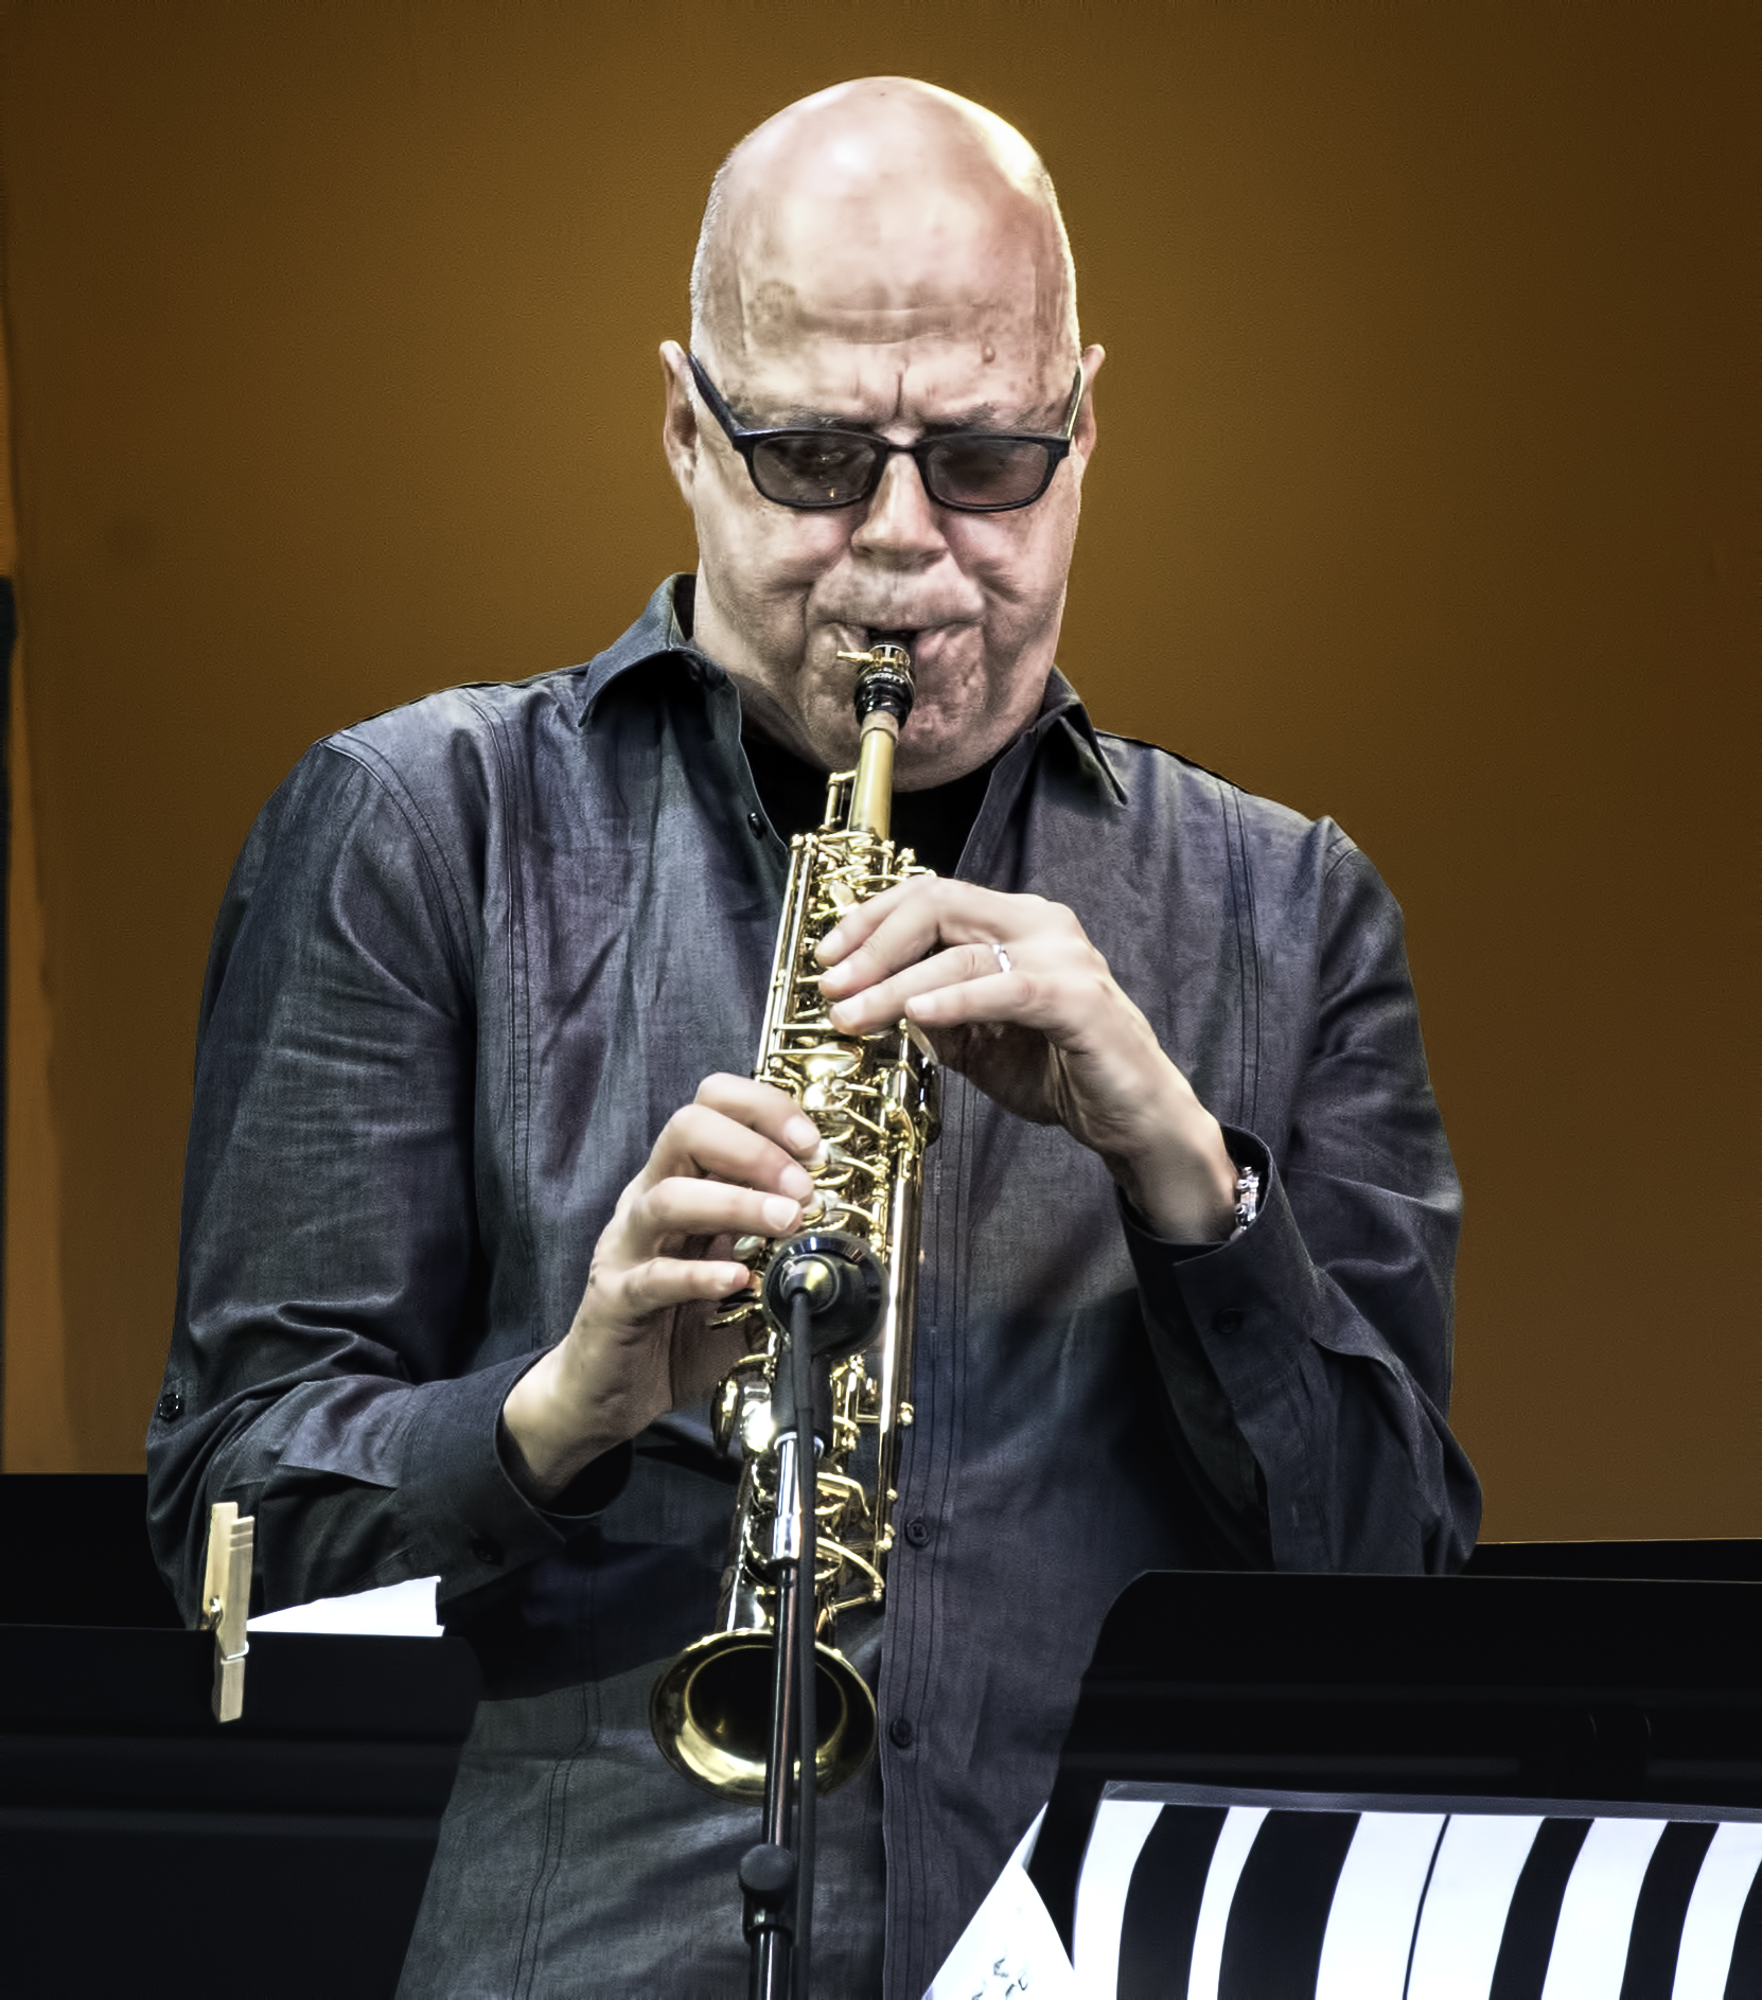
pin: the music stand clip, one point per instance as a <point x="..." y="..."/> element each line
<point x="226" y="1603"/>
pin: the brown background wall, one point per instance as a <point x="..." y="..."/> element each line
<point x="1427" y="497"/>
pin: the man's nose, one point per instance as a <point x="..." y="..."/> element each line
<point x="900" y="527"/>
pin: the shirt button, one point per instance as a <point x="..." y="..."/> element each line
<point x="901" y="1732"/>
<point x="757" y="824"/>
<point x="917" y="1532"/>
<point x="487" y="1550"/>
<point x="170" y="1406"/>
<point x="1228" y="1321"/>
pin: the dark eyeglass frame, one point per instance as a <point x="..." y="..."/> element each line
<point x="1056" y="446"/>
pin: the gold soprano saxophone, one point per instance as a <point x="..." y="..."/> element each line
<point x="874" y="1099"/>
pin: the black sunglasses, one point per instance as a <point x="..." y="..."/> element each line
<point x="980" y="472"/>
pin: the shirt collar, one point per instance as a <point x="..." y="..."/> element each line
<point x="1062" y="710"/>
<point x="661" y="633"/>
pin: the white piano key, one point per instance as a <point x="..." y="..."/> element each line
<point x="1121" y="1828"/>
<point x="1463" y="1919"/>
<point x="1597" y="1911"/>
<point x="1240" y="1827"/>
<point x="1710" y="1928"/>
<point x="1376" y="1902"/>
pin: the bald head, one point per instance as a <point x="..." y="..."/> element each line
<point x="883" y="209"/>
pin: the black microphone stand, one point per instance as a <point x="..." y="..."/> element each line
<point x="777" y="1876"/>
<point x="824" y="1290"/>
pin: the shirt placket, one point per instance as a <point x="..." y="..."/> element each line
<point x="923" y="1644"/>
<point x="915" y="1658"/>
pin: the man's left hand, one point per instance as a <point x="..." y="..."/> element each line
<point x="1010" y="992"/>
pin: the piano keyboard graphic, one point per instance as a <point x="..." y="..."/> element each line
<point x="1212" y="1902"/>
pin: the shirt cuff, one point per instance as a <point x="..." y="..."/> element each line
<point x="467" y="1521"/>
<point x="1247" y="1152"/>
<point x="1249" y="1302"/>
<point x="1245" y="1285"/>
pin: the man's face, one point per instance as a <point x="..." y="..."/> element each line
<point x="951" y="341"/>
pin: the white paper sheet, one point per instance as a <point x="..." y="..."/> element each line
<point x="1010" y="1950"/>
<point x="398" y="1611"/>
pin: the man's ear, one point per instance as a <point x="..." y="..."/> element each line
<point x="1083" y="441"/>
<point x="679" y="438"/>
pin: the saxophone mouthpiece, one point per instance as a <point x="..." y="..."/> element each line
<point x="884" y="686"/>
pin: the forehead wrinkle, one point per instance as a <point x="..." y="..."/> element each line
<point x="983" y="414"/>
<point x="804" y="417"/>
<point x="774" y="320"/>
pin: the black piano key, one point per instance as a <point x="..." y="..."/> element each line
<point x="1650" y="1972"/>
<point x="1530" y="1923"/>
<point x="1273" y="1941"/>
<point x="1162" y="1903"/>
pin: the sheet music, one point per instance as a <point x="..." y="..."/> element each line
<point x="1220" y="1896"/>
<point x="1191" y="1893"/>
<point x="1010" y="1950"/>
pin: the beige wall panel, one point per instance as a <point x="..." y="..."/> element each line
<point x="1426" y="498"/>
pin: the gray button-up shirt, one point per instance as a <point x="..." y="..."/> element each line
<point x="473" y="955"/>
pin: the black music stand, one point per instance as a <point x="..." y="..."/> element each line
<point x="1536" y="1687"/>
<point x="143" y="1846"/>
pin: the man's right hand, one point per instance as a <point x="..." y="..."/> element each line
<point x="729" y="1164"/>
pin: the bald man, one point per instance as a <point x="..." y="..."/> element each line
<point x="474" y="1126"/>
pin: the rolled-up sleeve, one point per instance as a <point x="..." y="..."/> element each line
<point x="332" y="1280"/>
<point x="1309" y="1360"/>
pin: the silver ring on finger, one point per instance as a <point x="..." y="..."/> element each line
<point x="1002" y="957"/>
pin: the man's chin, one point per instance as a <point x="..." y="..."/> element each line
<point x="957" y="722"/>
<point x="948" y="748"/>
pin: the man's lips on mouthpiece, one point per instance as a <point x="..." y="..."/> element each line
<point x="914" y="638"/>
